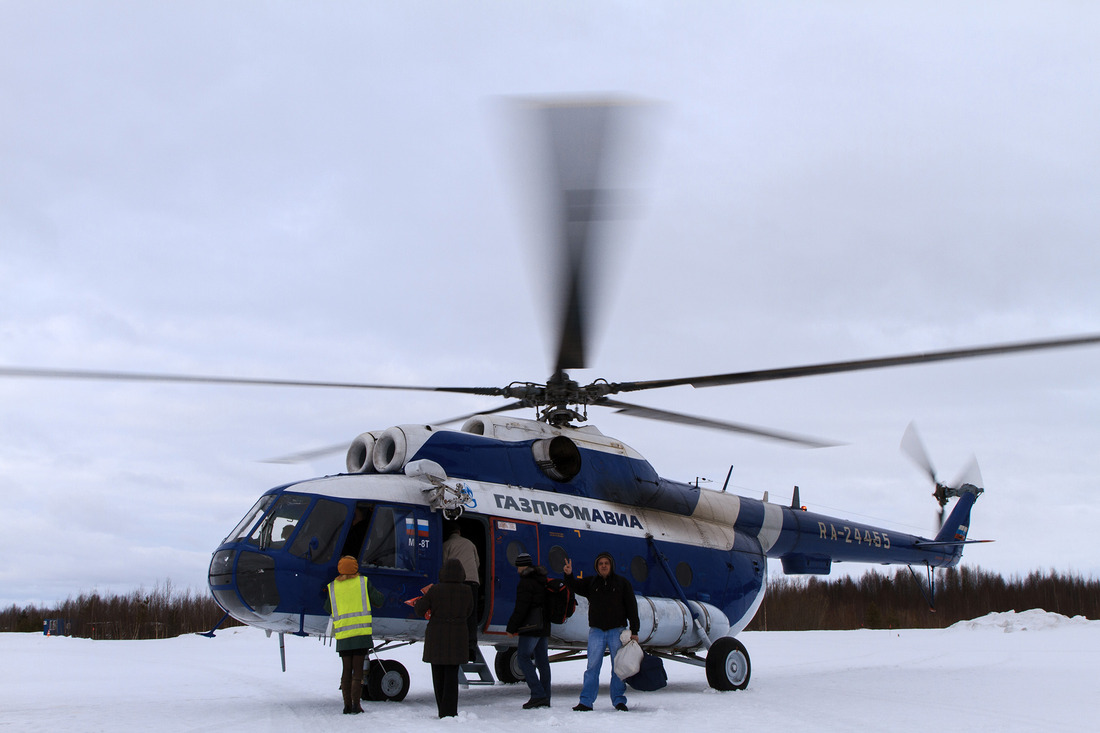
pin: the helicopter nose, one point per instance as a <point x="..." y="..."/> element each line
<point x="243" y="583"/>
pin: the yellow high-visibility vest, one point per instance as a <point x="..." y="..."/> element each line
<point x="351" y="614"/>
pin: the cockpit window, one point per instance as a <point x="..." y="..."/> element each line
<point x="391" y="541"/>
<point x="257" y="511"/>
<point x="280" y="523"/>
<point x="316" y="538"/>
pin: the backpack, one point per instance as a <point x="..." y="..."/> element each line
<point x="560" y="602"/>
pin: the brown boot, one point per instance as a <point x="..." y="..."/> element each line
<point x="349" y="706"/>
<point x="357" y="685"/>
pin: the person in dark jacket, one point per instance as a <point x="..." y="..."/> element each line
<point x="446" y="643"/>
<point x="611" y="606"/>
<point x="530" y="621"/>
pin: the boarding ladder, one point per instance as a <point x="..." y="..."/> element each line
<point x="479" y="668"/>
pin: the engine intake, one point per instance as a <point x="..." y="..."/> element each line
<point x="558" y="457"/>
<point x="360" y="457"/>
<point x="397" y="445"/>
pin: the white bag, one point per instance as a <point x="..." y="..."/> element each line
<point x="628" y="660"/>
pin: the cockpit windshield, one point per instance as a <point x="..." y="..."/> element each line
<point x="288" y="522"/>
<point x="280" y="523"/>
<point x="257" y="511"/>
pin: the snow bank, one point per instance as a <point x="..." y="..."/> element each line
<point x="1034" y="620"/>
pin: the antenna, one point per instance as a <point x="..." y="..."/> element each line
<point x="727" y="483"/>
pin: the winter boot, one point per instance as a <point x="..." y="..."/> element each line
<point x="348" y="705"/>
<point x="356" y="691"/>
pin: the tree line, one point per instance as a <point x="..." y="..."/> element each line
<point x="160" y="613"/>
<point x="902" y="599"/>
<point x="875" y="601"/>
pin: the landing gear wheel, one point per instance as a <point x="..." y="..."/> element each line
<point x="387" y="680"/>
<point x="506" y="666"/>
<point x="728" y="665"/>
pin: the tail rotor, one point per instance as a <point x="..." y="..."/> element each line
<point x="969" y="480"/>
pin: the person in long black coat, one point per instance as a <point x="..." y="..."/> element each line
<point x="446" y="642"/>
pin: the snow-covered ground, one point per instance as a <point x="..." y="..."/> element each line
<point x="1005" y="672"/>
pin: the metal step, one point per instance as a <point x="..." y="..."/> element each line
<point x="479" y="669"/>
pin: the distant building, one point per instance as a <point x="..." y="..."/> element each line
<point x="56" y="627"/>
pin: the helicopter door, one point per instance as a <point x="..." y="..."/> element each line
<point x="510" y="538"/>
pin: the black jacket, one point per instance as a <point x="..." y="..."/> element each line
<point x="450" y="601"/>
<point x="611" y="601"/>
<point x="530" y="595"/>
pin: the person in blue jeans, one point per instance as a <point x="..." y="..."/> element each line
<point x="611" y="607"/>
<point x="530" y="621"/>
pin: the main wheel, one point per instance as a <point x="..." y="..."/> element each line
<point x="507" y="667"/>
<point x="728" y="666"/>
<point x="387" y="680"/>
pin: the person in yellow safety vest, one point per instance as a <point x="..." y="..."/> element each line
<point x="349" y="603"/>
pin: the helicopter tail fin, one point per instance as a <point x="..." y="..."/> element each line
<point x="949" y="542"/>
<point x="957" y="524"/>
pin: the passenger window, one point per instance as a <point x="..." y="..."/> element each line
<point x="515" y="549"/>
<point x="316" y="538"/>
<point x="391" y="541"/>
<point x="557" y="558"/>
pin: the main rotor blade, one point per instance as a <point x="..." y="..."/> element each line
<point x="702" y="422"/>
<point x="98" y="375"/>
<point x="464" y="418"/>
<point x="837" y="367"/>
<point x="577" y="134"/>
<point x="309" y="455"/>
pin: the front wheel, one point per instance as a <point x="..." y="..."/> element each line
<point x="387" y="680"/>
<point x="507" y="667"/>
<point x="728" y="666"/>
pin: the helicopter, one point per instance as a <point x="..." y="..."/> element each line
<point x="555" y="488"/>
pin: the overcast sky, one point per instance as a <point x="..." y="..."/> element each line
<point x="337" y="191"/>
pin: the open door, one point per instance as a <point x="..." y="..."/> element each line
<point x="509" y="539"/>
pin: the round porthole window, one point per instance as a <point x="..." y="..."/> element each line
<point x="514" y="550"/>
<point x="558" y="556"/>
<point x="683" y="574"/>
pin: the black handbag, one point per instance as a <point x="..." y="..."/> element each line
<point x="651" y="676"/>
<point x="533" y="622"/>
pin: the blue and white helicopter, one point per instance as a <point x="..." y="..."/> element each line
<point x="554" y="488"/>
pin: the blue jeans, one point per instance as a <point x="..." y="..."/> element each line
<point x="598" y="640"/>
<point x="536" y="647"/>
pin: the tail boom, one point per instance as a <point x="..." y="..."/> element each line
<point x="810" y="542"/>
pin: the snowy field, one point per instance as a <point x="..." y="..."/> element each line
<point x="1005" y="672"/>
